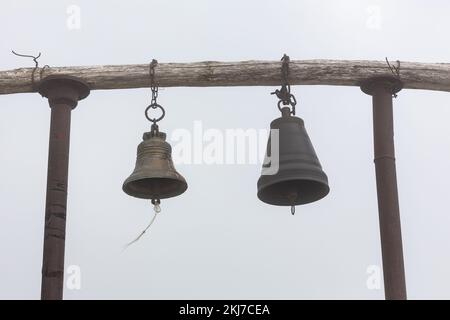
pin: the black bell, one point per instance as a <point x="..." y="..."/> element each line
<point x="293" y="175"/>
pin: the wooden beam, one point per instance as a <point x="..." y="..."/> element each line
<point x="427" y="76"/>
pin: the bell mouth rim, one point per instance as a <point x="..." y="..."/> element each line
<point x="323" y="189"/>
<point x="182" y="186"/>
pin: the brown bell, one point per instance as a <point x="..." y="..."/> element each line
<point x="297" y="176"/>
<point x="154" y="176"/>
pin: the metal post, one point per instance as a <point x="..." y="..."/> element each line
<point x="63" y="93"/>
<point x="382" y="89"/>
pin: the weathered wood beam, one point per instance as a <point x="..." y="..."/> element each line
<point x="427" y="76"/>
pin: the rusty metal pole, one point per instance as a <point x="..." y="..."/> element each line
<point x="63" y="93"/>
<point x="381" y="89"/>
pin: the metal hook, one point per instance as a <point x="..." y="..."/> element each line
<point x="395" y="71"/>
<point x="36" y="63"/>
<point x="42" y="71"/>
<point x="36" y="66"/>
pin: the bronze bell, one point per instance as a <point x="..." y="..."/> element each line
<point x="299" y="178"/>
<point x="154" y="176"/>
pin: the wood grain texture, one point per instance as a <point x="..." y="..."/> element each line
<point x="427" y="76"/>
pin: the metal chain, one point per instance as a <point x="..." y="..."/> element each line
<point x="285" y="70"/>
<point x="284" y="93"/>
<point x="153" y="103"/>
<point x="153" y="87"/>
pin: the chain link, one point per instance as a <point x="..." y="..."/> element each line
<point x="154" y="104"/>
<point x="153" y="87"/>
<point x="285" y="69"/>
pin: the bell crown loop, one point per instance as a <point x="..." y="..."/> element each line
<point x="154" y="133"/>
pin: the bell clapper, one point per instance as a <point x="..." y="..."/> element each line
<point x="156" y="206"/>
<point x="157" y="209"/>
<point x="292" y="197"/>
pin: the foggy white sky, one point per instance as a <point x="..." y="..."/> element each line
<point x="218" y="240"/>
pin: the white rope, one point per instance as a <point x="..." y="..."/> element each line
<point x="157" y="210"/>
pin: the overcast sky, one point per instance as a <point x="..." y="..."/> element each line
<point x="218" y="240"/>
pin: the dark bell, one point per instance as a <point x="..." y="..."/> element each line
<point x="299" y="179"/>
<point x="154" y="176"/>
